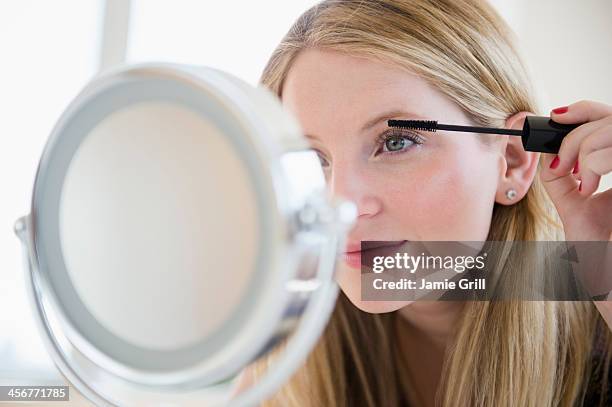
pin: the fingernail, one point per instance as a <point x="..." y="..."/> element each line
<point x="575" y="171"/>
<point x="555" y="163"/>
<point x="580" y="186"/>
<point x="560" y="110"/>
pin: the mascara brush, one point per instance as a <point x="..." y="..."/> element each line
<point x="539" y="133"/>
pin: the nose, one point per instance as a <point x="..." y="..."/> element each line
<point x="349" y="182"/>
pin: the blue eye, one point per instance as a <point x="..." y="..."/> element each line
<point x="395" y="141"/>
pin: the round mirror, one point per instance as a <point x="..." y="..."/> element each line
<point x="179" y="230"/>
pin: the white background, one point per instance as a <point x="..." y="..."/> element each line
<point x="50" y="49"/>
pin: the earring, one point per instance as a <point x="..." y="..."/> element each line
<point x="511" y="194"/>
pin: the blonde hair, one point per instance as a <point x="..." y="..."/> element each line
<point x="503" y="353"/>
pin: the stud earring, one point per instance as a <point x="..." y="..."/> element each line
<point x="511" y="194"/>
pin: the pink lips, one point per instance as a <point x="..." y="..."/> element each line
<point x="352" y="255"/>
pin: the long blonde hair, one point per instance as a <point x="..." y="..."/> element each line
<point x="510" y="353"/>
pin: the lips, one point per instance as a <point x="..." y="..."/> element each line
<point x="352" y="255"/>
<point x="356" y="247"/>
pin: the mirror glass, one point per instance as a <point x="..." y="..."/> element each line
<point x="156" y="202"/>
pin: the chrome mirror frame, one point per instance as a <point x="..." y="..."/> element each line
<point x="305" y="230"/>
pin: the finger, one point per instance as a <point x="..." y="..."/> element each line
<point x="581" y="112"/>
<point x="599" y="141"/>
<point x="571" y="144"/>
<point x="600" y="161"/>
<point x="562" y="189"/>
<point x="594" y="165"/>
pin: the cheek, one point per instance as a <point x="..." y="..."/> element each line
<point x="448" y="197"/>
<point x="443" y="197"/>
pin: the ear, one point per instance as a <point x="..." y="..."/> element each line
<point x="518" y="166"/>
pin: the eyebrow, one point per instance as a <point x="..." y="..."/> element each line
<point x="380" y="117"/>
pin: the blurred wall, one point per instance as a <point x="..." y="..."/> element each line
<point x="567" y="46"/>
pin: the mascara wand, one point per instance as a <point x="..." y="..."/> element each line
<point x="539" y="133"/>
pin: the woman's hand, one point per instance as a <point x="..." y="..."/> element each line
<point x="572" y="177"/>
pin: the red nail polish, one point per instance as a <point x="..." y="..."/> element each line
<point x="575" y="168"/>
<point x="555" y="163"/>
<point x="560" y="110"/>
<point x="580" y="186"/>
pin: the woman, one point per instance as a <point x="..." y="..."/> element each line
<point x="344" y="68"/>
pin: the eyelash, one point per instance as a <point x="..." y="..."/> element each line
<point x="388" y="135"/>
<point x="396" y="133"/>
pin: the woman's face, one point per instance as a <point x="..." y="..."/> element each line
<point x="416" y="186"/>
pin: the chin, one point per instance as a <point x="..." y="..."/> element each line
<point x="377" y="307"/>
<point x="349" y="280"/>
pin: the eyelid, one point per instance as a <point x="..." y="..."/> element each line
<point x="399" y="132"/>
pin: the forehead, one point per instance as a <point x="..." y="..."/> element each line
<point x="323" y="86"/>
